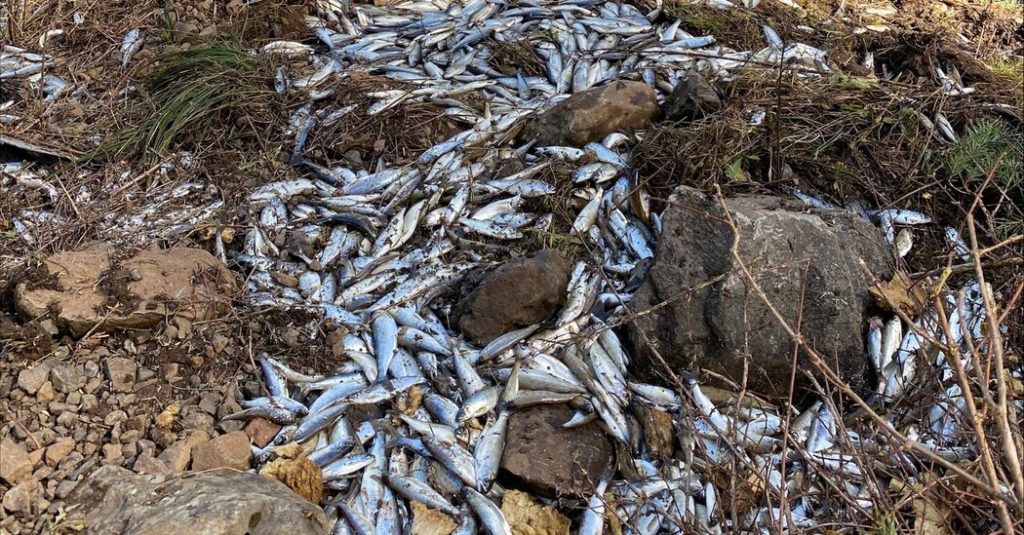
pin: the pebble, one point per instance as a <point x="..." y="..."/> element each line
<point x="45" y="393"/>
<point x="20" y="497"/>
<point x="31" y="379"/>
<point x="65" y="378"/>
<point x="15" y="464"/>
<point x="121" y="373"/>
<point x="64" y="488"/>
<point x="58" y="450"/>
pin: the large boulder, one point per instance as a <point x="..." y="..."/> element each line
<point x="114" y="500"/>
<point x="94" y="288"/>
<point x="547" y="459"/>
<point x="806" y="261"/>
<point x="515" y="295"/>
<point x="593" y="114"/>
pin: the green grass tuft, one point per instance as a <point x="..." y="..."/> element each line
<point x="189" y="92"/>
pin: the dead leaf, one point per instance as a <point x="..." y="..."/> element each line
<point x="930" y="516"/>
<point x="427" y="521"/>
<point x="529" y="518"/>
<point x="901" y="293"/>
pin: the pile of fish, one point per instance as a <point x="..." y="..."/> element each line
<point x="374" y="250"/>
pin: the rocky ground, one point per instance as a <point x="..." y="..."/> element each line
<point x="125" y="347"/>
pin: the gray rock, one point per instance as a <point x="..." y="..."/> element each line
<point x="66" y="378"/>
<point x="724" y="326"/>
<point x="115" y="500"/>
<point x="692" y="98"/>
<point x="31" y="379"/>
<point x="516" y="295"/>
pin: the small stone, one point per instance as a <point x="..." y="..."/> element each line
<point x="146" y="374"/>
<point x="692" y="99"/>
<point x="31" y="379"/>
<point x="178" y="455"/>
<point x="121" y="373"/>
<point x="112" y="452"/>
<point x="219" y="342"/>
<point x="169" y="371"/>
<point x="129" y="449"/>
<point x="89" y="402"/>
<point x="64" y="488"/>
<point x="15" y="463"/>
<point x="208" y="402"/>
<point x="92" y="385"/>
<point x="36" y="455"/>
<point x="58" y="450"/>
<point x="261" y="431"/>
<point x="20" y="497"/>
<point x="226" y="451"/>
<point x="65" y="378"/>
<point x="145" y="464"/>
<point x="166" y="417"/>
<point x="195" y="419"/>
<point x="74" y="399"/>
<point x="45" y="394"/>
<point x="92" y="368"/>
<point x="114" y="417"/>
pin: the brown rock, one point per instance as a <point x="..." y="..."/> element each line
<point x="19" y="498"/>
<point x="226" y="451"/>
<point x="177" y="455"/>
<point x="516" y="295"/>
<point x="15" y="464"/>
<point x="261" y="431"/>
<point x="593" y="114"/>
<point x="121" y="373"/>
<point x="804" y="260"/>
<point x="45" y="394"/>
<point x="546" y="459"/>
<point x="58" y="450"/>
<point x="114" y="500"/>
<point x="692" y="98"/>
<point x="142" y="287"/>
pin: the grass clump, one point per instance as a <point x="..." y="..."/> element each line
<point x="194" y="92"/>
<point x="992" y="146"/>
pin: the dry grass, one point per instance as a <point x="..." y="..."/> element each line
<point x="396" y="134"/>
